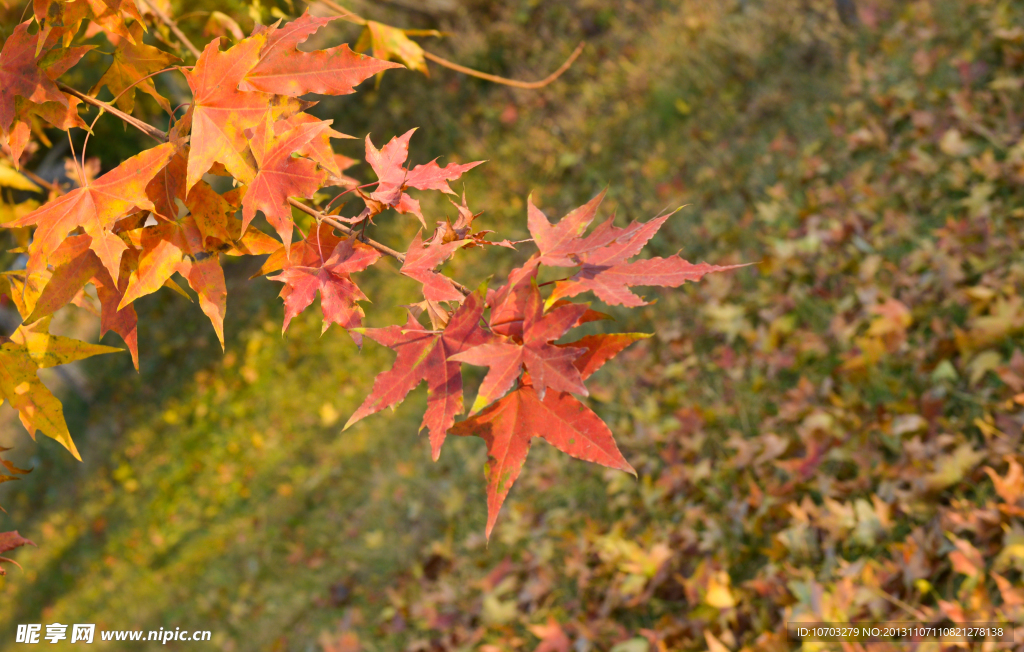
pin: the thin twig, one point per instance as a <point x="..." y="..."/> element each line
<point x="343" y="13"/>
<point x="166" y="20"/>
<point x="504" y="80"/>
<point x="99" y="114"/>
<point x="41" y="181"/>
<point x="145" y="128"/>
<point x="351" y="17"/>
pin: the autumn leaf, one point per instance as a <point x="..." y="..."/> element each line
<point x="96" y="207"/>
<point x="420" y="263"/>
<point x="31" y="348"/>
<point x="387" y="163"/>
<point x="434" y="177"/>
<point x="221" y="113"/>
<point x="558" y="242"/>
<point x="24" y="73"/>
<point x="549" y="365"/>
<point x="331" y="278"/>
<point x="11" y="541"/>
<point x="425" y="356"/>
<point x="509" y="425"/>
<point x="132" y="62"/>
<point x="75" y="265"/>
<point x="285" y="70"/>
<point x="281" y="175"/>
<point x="388" y="42"/>
<point x="178" y="247"/>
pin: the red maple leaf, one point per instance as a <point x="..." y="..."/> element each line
<point x="283" y="69"/>
<point x="330" y="277"/>
<point x="602" y="256"/>
<point x="24" y="73"/>
<point x="96" y="207"/>
<point x="549" y="365"/>
<point x="434" y="177"/>
<point x="388" y="164"/>
<point x="281" y="174"/>
<point x="426" y="355"/>
<point x="509" y="425"/>
<point x="420" y="262"/>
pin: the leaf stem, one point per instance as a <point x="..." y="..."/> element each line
<point x="114" y="101"/>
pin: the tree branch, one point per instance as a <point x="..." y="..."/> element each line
<point x="345" y="14"/>
<point x="145" y="128"/>
<point x="504" y="80"/>
<point x="173" y="26"/>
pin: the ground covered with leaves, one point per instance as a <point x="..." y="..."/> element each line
<point x="833" y="434"/>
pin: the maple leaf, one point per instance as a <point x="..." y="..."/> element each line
<point x="426" y="356"/>
<point x="388" y="164"/>
<point x="330" y="277"/>
<point x="509" y="425"/>
<point x="25" y="73"/>
<point x="285" y="70"/>
<point x="221" y="114"/>
<point x="603" y="256"/>
<point x="282" y="175"/>
<point x="552" y="637"/>
<point x="434" y="177"/>
<point x="177" y="247"/>
<point x="308" y="252"/>
<point x="31" y="348"/>
<point x="558" y="242"/>
<point x="611" y="283"/>
<point x="389" y="42"/>
<point x="549" y="365"/>
<point x="96" y="207"/>
<point x="599" y="349"/>
<point x="75" y="264"/>
<point x="420" y="262"/>
<point x="64" y="18"/>
<point x="10" y="541"/>
<point x="132" y="62"/>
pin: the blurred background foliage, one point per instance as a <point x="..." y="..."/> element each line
<point x="833" y="434"/>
